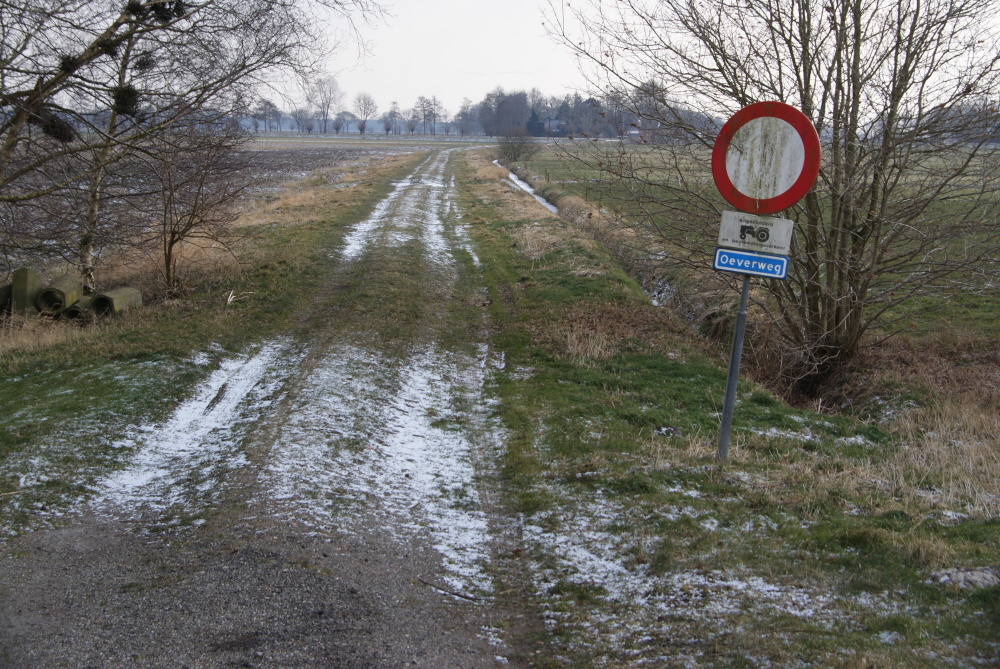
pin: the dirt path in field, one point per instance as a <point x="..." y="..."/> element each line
<point x="318" y="502"/>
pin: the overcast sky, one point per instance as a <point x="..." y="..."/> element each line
<point x="455" y="49"/>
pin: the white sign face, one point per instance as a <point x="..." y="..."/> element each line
<point x="765" y="158"/>
<point x="756" y="233"/>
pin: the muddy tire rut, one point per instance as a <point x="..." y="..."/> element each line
<point x="321" y="501"/>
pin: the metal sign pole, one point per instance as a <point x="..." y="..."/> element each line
<point x="774" y="162"/>
<point x="729" y="405"/>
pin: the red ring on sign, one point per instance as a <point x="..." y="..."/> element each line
<point x="810" y="166"/>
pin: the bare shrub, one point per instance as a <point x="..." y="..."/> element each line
<point x="517" y="146"/>
<point x="201" y="173"/>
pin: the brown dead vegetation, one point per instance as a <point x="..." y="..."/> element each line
<point x="952" y="443"/>
<point x="35" y="334"/>
<point x="596" y="331"/>
<point x="951" y="366"/>
<point x="535" y="241"/>
<point x="621" y="241"/>
<point x="489" y="172"/>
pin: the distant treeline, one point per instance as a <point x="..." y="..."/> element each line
<point x="498" y="113"/>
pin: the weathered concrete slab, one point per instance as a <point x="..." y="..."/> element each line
<point x="60" y="294"/>
<point x="116" y="301"/>
<point x="25" y="287"/>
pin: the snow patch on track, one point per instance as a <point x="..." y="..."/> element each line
<point x="181" y="462"/>
<point x="375" y="441"/>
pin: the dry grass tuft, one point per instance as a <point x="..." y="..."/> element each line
<point x="662" y="453"/>
<point x="951" y="457"/>
<point x="490" y="172"/>
<point x="927" y="552"/>
<point x="587" y="344"/>
<point x="593" y="332"/>
<point x="19" y="334"/>
<point x="535" y="241"/>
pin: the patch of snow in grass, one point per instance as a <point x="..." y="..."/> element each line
<point x="804" y="435"/>
<point x="201" y="358"/>
<point x="186" y="454"/>
<point x="581" y="543"/>
<point x="948" y="516"/>
<point x="758" y="524"/>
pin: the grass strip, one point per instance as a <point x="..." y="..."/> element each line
<point x="637" y="547"/>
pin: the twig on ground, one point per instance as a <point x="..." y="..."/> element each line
<point x="449" y="592"/>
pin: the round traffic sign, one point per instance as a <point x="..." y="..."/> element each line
<point x="766" y="157"/>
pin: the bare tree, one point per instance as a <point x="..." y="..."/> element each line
<point x="435" y="110"/>
<point x="88" y="84"/>
<point x="365" y="108"/>
<point x="465" y="117"/>
<point x="486" y="111"/>
<point x="300" y="117"/>
<point x="903" y="96"/>
<point x="263" y="112"/>
<point x="395" y="115"/>
<point x="424" y="111"/>
<point x="345" y="119"/>
<point x="325" y="96"/>
<point x="537" y="102"/>
<point x="200" y="172"/>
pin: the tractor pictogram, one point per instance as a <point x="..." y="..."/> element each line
<point x="761" y="234"/>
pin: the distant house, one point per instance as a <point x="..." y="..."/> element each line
<point x="555" y="127"/>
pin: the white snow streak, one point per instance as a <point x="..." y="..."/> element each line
<point x="194" y="441"/>
<point x="639" y="606"/>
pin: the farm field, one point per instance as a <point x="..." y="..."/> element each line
<point x="426" y="422"/>
<point x="566" y="169"/>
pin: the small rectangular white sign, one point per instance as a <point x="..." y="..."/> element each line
<point x="755" y="233"/>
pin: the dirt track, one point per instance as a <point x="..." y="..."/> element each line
<point x="317" y="502"/>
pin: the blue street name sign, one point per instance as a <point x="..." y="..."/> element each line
<point x="756" y="264"/>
